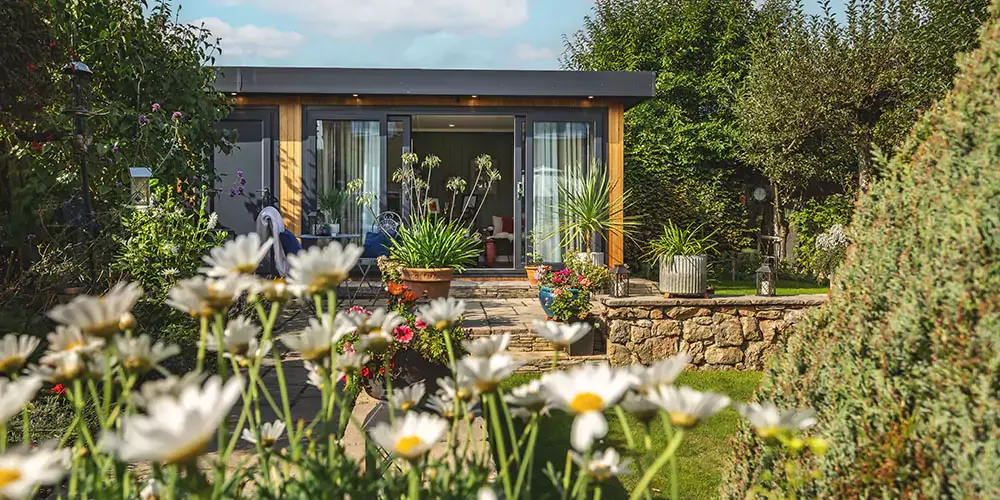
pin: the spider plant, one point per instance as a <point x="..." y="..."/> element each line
<point x="332" y="203"/>
<point x="433" y="243"/>
<point x="675" y="240"/>
<point x="586" y="210"/>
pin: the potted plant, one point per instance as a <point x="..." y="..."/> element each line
<point x="587" y="214"/>
<point x="565" y="295"/>
<point x="332" y="203"/>
<point x="430" y="250"/>
<point x="683" y="257"/>
<point x="534" y="261"/>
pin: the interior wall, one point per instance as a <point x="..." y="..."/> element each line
<point x="457" y="151"/>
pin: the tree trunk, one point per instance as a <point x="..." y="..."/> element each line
<point x="865" y="167"/>
<point x="779" y="226"/>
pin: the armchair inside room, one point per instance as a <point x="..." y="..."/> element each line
<point x="501" y="235"/>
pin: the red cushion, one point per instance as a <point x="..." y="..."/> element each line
<point x="508" y="224"/>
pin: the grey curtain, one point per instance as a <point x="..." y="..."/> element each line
<point x="562" y="150"/>
<point x="348" y="150"/>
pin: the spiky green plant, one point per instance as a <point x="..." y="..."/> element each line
<point x="585" y="210"/>
<point x="676" y="240"/>
<point x="903" y="364"/>
<point x="433" y="242"/>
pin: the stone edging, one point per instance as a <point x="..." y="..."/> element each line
<point x="743" y="300"/>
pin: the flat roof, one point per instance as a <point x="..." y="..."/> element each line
<point x="631" y="87"/>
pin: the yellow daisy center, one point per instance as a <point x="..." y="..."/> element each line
<point x="189" y="451"/>
<point x="486" y="385"/>
<point x="406" y="405"/>
<point x="586" y="401"/>
<point x="316" y="353"/>
<point x="683" y="419"/>
<point x="138" y="364"/>
<point x="105" y="328"/>
<point x="325" y="281"/>
<point x="73" y="345"/>
<point x="9" y="476"/>
<point x="442" y="324"/>
<point x="406" y="445"/>
<point x="245" y="268"/>
<point x="11" y="364"/>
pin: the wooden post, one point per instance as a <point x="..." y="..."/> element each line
<point x="290" y="162"/>
<point x="616" y="178"/>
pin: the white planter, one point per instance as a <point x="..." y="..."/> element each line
<point x="684" y="275"/>
<point x="334" y="229"/>
<point x="595" y="258"/>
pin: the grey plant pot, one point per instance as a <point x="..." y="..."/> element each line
<point x="684" y="275"/>
<point x="584" y="346"/>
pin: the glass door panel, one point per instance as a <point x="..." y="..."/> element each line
<point x="561" y="153"/>
<point x="347" y="150"/>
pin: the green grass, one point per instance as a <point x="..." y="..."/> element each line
<point x="784" y="287"/>
<point x="700" y="457"/>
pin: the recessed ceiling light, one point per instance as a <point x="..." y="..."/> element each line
<point x="234" y="93"/>
<point x="475" y="96"/>
<point x="451" y="124"/>
<point x="590" y="97"/>
<point x="354" y="95"/>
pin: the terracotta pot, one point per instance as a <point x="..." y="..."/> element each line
<point x="531" y="274"/>
<point x="429" y="283"/>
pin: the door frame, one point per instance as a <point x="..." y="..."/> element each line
<point x="268" y="116"/>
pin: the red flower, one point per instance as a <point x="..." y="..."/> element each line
<point x="403" y="333"/>
<point x="365" y="372"/>
<point x="37" y="146"/>
<point x="52" y="43"/>
<point x="31" y="67"/>
<point x="59" y="389"/>
<point x="409" y="296"/>
<point x="420" y="324"/>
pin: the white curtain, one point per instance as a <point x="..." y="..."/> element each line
<point x="561" y="152"/>
<point x="348" y="150"/>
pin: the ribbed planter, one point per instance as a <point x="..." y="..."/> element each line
<point x="684" y="275"/>
<point x="429" y="283"/>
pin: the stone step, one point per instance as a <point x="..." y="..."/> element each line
<point x="541" y="361"/>
<point x="522" y="338"/>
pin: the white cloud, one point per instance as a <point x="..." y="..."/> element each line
<point x="528" y="52"/>
<point x="249" y="41"/>
<point x="366" y="18"/>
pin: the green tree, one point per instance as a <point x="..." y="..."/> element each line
<point x="680" y="147"/>
<point x="902" y="363"/>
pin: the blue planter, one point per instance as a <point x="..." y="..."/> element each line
<point x="546" y="298"/>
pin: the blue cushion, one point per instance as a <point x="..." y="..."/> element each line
<point x="289" y="242"/>
<point x="376" y="245"/>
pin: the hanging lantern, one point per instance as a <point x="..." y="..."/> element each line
<point x="619" y="281"/>
<point x="140" y="185"/>
<point x="765" y="281"/>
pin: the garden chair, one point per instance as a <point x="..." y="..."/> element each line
<point x="386" y="225"/>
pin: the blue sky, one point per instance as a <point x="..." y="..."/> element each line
<point x="476" y="34"/>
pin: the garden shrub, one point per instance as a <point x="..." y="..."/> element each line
<point x="902" y="364"/>
<point x="813" y="218"/>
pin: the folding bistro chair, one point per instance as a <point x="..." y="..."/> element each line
<point x="388" y="224"/>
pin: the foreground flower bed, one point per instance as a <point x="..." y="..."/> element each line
<point x="171" y="421"/>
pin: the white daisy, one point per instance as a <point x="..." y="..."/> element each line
<point x="140" y="354"/>
<point x="270" y="432"/>
<point x="380" y="320"/>
<point x="154" y="490"/>
<point x="408" y="397"/>
<point x="168" y="387"/>
<point x="661" y="373"/>
<point x="377" y="341"/>
<point x="769" y="423"/>
<point x="319" y="270"/>
<point x="561" y="334"/>
<point x="23" y="469"/>
<point x="239" y="256"/>
<point x="442" y="313"/>
<point x="487" y="373"/>
<point x="236" y="337"/>
<point x="201" y="296"/>
<point x="351" y="362"/>
<point x="484" y="347"/>
<point x="585" y="392"/>
<point x="640" y="407"/>
<point x="316" y="375"/>
<point x="68" y="354"/>
<point x="213" y="220"/>
<point x="603" y="465"/>
<point x="100" y="316"/>
<point x="528" y="399"/>
<point x="15" y="351"/>
<point x="412" y="436"/>
<point x="464" y="390"/>
<point x="276" y="290"/>
<point x="314" y="342"/>
<point x="15" y="394"/>
<point x="686" y="406"/>
<point x="175" y="430"/>
<point x="486" y="493"/>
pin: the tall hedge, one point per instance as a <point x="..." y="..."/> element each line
<point x="902" y="364"/>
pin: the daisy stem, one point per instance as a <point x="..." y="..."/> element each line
<point x="97" y="402"/>
<point x="285" y="406"/>
<point x="628" y="430"/>
<point x="555" y="358"/>
<point x="414" y="493"/>
<point x="499" y="439"/>
<point x="529" y="454"/>
<point x="388" y="392"/>
<point x="566" y="472"/>
<point x="3" y="439"/>
<point x="661" y="460"/>
<point x="25" y="424"/>
<point x="201" y="344"/>
<point x="510" y="426"/>
<point x="597" y="492"/>
<point x="451" y="355"/>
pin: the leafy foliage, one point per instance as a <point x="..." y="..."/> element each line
<point x="680" y="148"/>
<point x="902" y="363"/>
<point x="811" y="219"/>
<point x="432" y="242"/>
<point x="675" y="240"/>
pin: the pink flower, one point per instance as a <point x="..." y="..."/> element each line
<point x="584" y="281"/>
<point x="359" y="309"/>
<point x="176" y="116"/>
<point x="156" y="107"/>
<point x="349" y="348"/>
<point x="403" y="333"/>
<point x="420" y="324"/>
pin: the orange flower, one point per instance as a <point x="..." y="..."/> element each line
<point x="395" y="288"/>
<point x="409" y="296"/>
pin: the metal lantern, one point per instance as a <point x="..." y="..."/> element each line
<point x="140" y="185"/>
<point x="765" y="281"/>
<point x="619" y="281"/>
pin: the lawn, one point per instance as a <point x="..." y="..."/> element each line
<point x="784" y="287"/>
<point x="701" y="456"/>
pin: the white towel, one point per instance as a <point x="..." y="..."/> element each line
<point x="271" y="214"/>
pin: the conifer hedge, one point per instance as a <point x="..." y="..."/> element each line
<point x="902" y="364"/>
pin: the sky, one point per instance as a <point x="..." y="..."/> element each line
<point x="472" y="34"/>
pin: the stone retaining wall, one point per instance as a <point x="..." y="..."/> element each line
<point x="724" y="333"/>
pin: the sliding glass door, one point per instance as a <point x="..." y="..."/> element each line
<point x="562" y="150"/>
<point x="347" y="150"/>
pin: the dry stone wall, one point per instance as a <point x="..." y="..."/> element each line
<point x="724" y="333"/>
